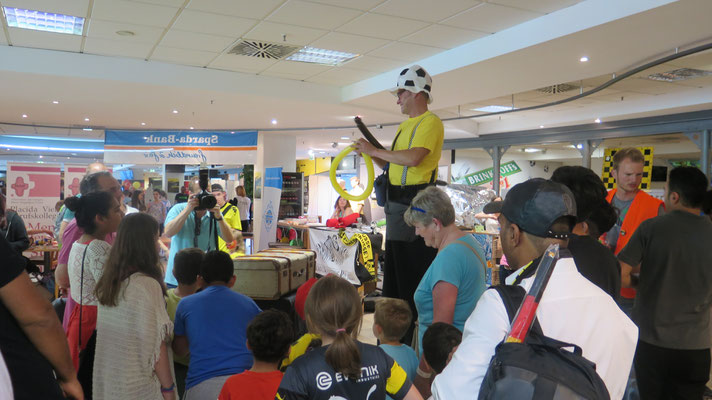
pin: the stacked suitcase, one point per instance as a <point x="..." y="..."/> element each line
<point x="272" y="273"/>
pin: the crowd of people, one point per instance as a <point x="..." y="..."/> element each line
<point x="134" y="329"/>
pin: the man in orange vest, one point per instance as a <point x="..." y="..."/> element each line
<point x="634" y="206"/>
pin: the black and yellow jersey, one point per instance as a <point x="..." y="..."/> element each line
<point x="310" y="377"/>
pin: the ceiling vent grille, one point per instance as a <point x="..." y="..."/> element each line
<point x="679" y="75"/>
<point x="254" y="48"/>
<point x="556" y="89"/>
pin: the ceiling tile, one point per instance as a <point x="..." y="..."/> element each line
<point x="214" y="24"/>
<point x="182" y="56"/>
<point x="446" y="37"/>
<point x="239" y="8"/>
<point x="197" y="41"/>
<point x="382" y="26"/>
<point x="273" y="32"/>
<point x="641" y="85"/>
<point x="340" y="76"/>
<point x="45" y="40"/>
<point x="364" y="5"/>
<point x="295" y="77"/>
<point x="170" y="3"/>
<point x="424" y="10"/>
<point x="233" y="62"/>
<point x="374" y="64"/>
<point x="117" y="48"/>
<point x="77" y="8"/>
<point x="3" y="40"/>
<point x="132" y="12"/>
<point x="407" y="52"/>
<point x="107" y="30"/>
<point x="490" y="18"/>
<point x="313" y="15"/>
<point x="348" y="43"/>
<point x="297" y="68"/>
<point x="542" y="6"/>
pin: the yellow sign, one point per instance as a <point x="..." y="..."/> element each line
<point x="607" y="177"/>
<point x="323" y="164"/>
<point x="307" y="167"/>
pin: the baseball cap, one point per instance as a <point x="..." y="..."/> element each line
<point x="414" y="79"/>
<point x="534" y="205"/>
<point x="216" y="187"/>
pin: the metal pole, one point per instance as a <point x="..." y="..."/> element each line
<point x="587" y="154"/>
<point x="496" y="158"/>
<point x="705" y="159"/>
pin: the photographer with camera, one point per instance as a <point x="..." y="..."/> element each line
<point x="230" y="213"/>
<point x="197" y="223"/>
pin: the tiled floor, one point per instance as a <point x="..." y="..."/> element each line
<point x="366" y="334"/>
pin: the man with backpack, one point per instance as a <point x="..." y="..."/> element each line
<point x="534" y="215"/>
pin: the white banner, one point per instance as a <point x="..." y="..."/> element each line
<point x="32" y="191"/>
<point x="271" y="195"/>
<point x="73" y="175"/>
<point x="332" y="255"/>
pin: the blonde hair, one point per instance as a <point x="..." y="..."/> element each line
<point x="394" y="317"/>
<point x="333" y="309"/>
<point x="629" y="153"/>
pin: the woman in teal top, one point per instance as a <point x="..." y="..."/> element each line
<point x="455" y="280"/>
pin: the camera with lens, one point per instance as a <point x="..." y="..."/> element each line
<point x="206" y="200"/>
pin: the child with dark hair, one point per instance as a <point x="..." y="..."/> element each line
<point x="342" y="367"/>
<point x="439" y="343"/>
<point x="268" y="338"/>
<point x="98" y="214"/>
<point x="186" y="269"/>
<point x="390" y="323"/>
<point x="211" y="325"/>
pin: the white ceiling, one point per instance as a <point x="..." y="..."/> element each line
<point x="479" y="53"/>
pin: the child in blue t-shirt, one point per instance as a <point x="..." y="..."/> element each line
<point x="390" y="323"/>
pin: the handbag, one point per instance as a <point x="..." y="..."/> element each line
<point x="380" y="187"/>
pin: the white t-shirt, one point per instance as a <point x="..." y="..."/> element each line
<point x="97" y="252"/>
<point x="5" y="382"/>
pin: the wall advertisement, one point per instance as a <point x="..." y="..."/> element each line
<point x="32" y="191"/>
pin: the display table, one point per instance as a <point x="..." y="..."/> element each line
<point x="49" y="254"/>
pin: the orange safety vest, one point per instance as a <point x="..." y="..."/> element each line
<point x="644" y="206"/>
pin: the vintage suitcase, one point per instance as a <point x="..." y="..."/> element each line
<point x="303" y="263"/>
<point x="263" y="277"/>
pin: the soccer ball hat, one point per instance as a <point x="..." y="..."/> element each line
<point x="414" y="79"/>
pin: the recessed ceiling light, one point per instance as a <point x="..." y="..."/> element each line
<point x="274" y="122"/>
<point x="490" y="109"/>
<point x="143" y="124"/>
<point x="43" y="21"/>
<point x="321" y="56"/>
<point x="583" y="59"/>
<point x="541" y="126"/>
<point x="125" y="33"/>
<point x="531" y="150"/>
<point x="192" y="128"/>
<point x="175" y="111"/>
<point x="343" y="144"/>
<point x="597" y="120"/>
<point x="55" y="101"/>
<point x="345" y="138"/>
<point x="86" y="119"/>
<point x="88" y="129"/>
<point x="41" y="156"/>
<point x="24" y="115"/>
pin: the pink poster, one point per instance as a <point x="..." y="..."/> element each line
<point x="73" y="175"/>
<point x="32" y="191"/>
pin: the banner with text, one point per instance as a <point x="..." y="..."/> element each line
<point x="73" y="175"/>
<point x="32" y="191"/>
<point x="486" y="175"/>
<point x="271" y="195"/>
<point x="180" y="147"/>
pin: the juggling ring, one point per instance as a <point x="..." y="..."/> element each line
<point x="337" y="187"/>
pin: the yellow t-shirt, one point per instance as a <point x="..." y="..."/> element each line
<point x="298" y="348"/>
<point x="172" y="300"/>
<point x="232" y="216"/>
<point x="429" y="135"/>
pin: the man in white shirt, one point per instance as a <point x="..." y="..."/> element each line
<point x="535" y="214"/>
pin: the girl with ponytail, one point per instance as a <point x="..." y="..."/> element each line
<point x="342" y="367"/>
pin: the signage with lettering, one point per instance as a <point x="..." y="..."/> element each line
<point x="180" y="147"/>
<point x="486" y="175"/>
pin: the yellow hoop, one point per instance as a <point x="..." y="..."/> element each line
<point x="337" y="187"/>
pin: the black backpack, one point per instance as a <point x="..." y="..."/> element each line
<point x="539" y="368"/>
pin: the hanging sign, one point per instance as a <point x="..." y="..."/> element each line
<point x="73" y="175"/>
<point x="32" y="192"/>
<point x="180" y="147"/>
<point x="486" y="175"/>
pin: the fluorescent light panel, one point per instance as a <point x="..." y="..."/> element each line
<point x="492" y="109"/>
<point x="321" y="56"/>
<point x="43" y="21"/>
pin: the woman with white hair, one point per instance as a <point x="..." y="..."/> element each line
<point x="455" y="279"/>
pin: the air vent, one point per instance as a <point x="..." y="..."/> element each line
<point x="679" y="75"/>
<point x="253" y="48"/>
<point x="556" y="89"/>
